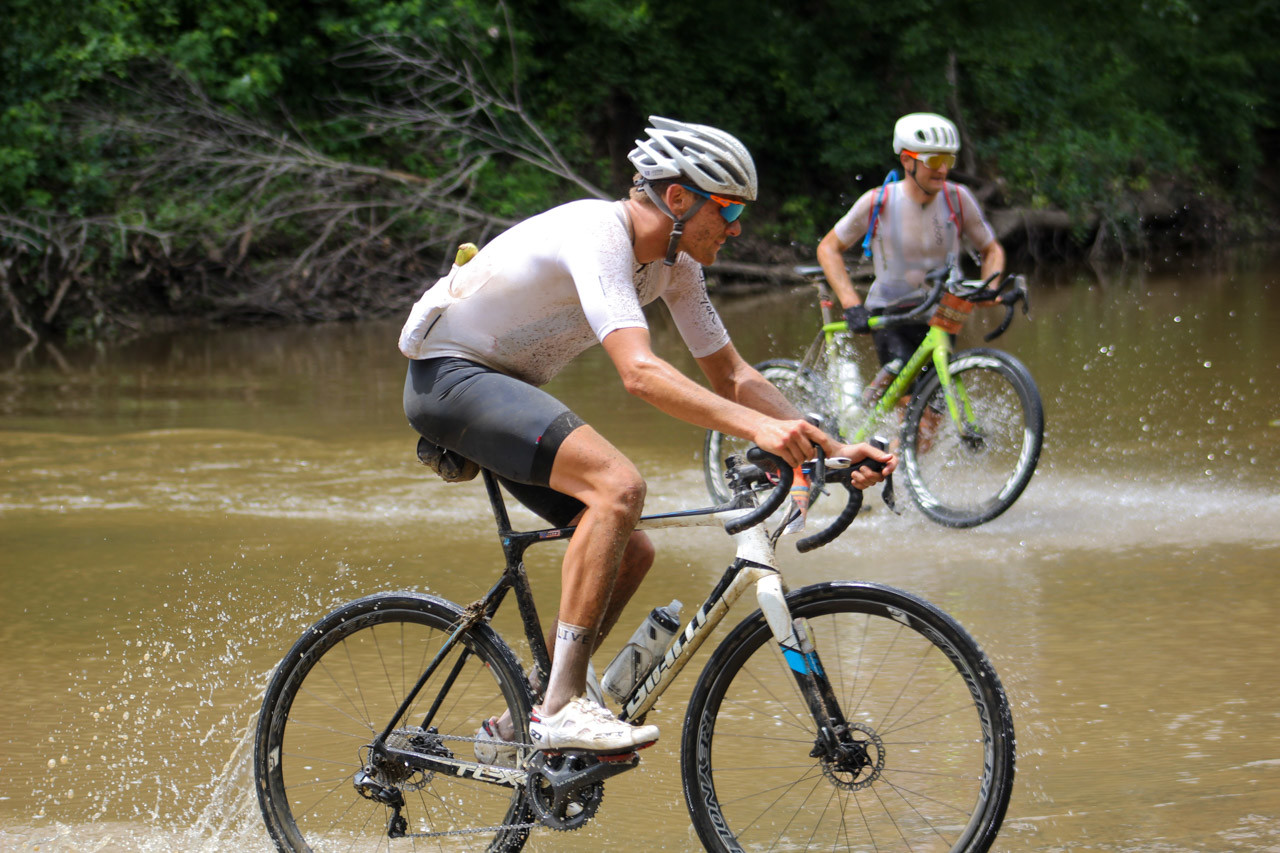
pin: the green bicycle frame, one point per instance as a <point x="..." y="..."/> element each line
<point x="936" y="346"/>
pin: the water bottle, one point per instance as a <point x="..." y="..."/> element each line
<point x="849" y="391"/>
<point x="645" y="648"/>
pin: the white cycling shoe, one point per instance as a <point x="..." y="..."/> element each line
<point x="584" y="724"/>
<point x="491" y="748"/>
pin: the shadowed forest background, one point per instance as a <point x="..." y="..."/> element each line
<point x="164" y="162"/>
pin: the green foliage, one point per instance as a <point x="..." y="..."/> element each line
<point x="1058" y="100"/>
<point x="797" y="221"/>
<point x="1078" y="106"/>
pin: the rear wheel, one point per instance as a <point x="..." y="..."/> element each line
<point x="964" y="474"/>
<point x="322" y="783"/>
<point x="805" y="389"/>
<point x="925" y="710"/>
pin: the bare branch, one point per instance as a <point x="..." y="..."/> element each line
<point x="248" y="217"/>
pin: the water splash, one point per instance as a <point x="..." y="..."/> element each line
<point x="157" y="755"/>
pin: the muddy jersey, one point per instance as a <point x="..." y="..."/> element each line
<point x="550" y="287"/>
<point x="912" y="239"/>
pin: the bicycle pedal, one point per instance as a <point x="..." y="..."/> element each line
<point x="599" y="756"/>
<point x="623" y="756"/>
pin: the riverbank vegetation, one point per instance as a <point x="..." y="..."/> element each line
<point x="167" y="160"/>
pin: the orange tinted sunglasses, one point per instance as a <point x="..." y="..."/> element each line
<point x="933" y="161"/>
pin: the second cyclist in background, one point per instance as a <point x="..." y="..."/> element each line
<point x="908" y="227"/>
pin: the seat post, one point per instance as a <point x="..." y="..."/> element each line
<point x="498" y="505"/>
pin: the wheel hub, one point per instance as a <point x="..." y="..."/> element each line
<point x="856" y="761"/>
<point x="382" y="770"/>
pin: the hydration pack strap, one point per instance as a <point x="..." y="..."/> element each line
<point x="957" y="221"/>
<point x="875" y="212"/>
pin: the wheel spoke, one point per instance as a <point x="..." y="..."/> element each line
<point x="338" y="689"/>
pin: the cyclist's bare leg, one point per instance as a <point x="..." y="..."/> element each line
<point x="592" y="470"/>
<point x="637" y="558"/>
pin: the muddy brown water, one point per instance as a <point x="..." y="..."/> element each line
<point x="174" y="512"/>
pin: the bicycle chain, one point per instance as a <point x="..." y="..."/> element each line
<point x="475" y="830"/>
<point x="527" y="746"/>
<point x="480" y="829"/>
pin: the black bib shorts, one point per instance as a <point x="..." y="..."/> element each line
<point x="501" y="423"/>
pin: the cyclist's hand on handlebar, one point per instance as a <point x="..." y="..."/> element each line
<point x="858" y="318"/>
<point x="869" y="465"/>
<point x="792" y="440"/>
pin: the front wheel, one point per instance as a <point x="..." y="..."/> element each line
<point x="967" y="467"/>
<point x="921" y="699"/>
<point x="805" y="389"/>
<point x="324" y="784"/>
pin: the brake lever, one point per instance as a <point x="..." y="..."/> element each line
<point x="886" y="493"/>
<point x="854" y="505"/>
<point x="1010" y="301"/>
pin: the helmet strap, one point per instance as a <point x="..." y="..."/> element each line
<point x="677" y="227"/>
<point x="915" y="167"/>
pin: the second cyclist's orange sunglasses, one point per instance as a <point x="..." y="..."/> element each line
<point x="933" y="161"/>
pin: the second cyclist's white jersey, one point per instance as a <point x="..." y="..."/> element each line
<point x="911" y="239"/>
<point x="544" y="291"/>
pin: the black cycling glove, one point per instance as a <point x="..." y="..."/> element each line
<point x="857" y="318"/>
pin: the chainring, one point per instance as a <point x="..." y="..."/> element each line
<point x="570" y="811"/>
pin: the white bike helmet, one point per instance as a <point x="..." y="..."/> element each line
<point x="925" y="133"/>
<point x="710" y="159"/>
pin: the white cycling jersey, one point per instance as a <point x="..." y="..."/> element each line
<point x="912" y="239"/>
<point x="544" y="291"/>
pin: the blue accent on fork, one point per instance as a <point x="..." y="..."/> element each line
<point x="801" y="662"/>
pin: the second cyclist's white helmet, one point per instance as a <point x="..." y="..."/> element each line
<point x="925" y="133"/>
<point x="710" y="159"/>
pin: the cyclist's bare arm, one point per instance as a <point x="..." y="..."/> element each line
<point x="831" y="258"/>
<point x="658" y="383"/>
<point x="992" y="263"/>
<point x="734" y="379"/>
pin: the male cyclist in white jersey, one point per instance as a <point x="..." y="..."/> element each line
<point x="916" y="226"/>
<point x="487" y="335"/>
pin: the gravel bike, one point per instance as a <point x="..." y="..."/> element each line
<point x="971" y="434"/>
<point x="842" y="715"/>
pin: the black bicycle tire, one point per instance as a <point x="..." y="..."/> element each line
<point x="1010" y="369"/>
<point x="700" y="765"/>
<point x="308" y="653"/>
<point x="713" y="442"/>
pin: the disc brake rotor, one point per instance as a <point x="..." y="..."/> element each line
<point x="861" y="762"/>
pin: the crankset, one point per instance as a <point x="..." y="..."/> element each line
<point x="565" y="789"/>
